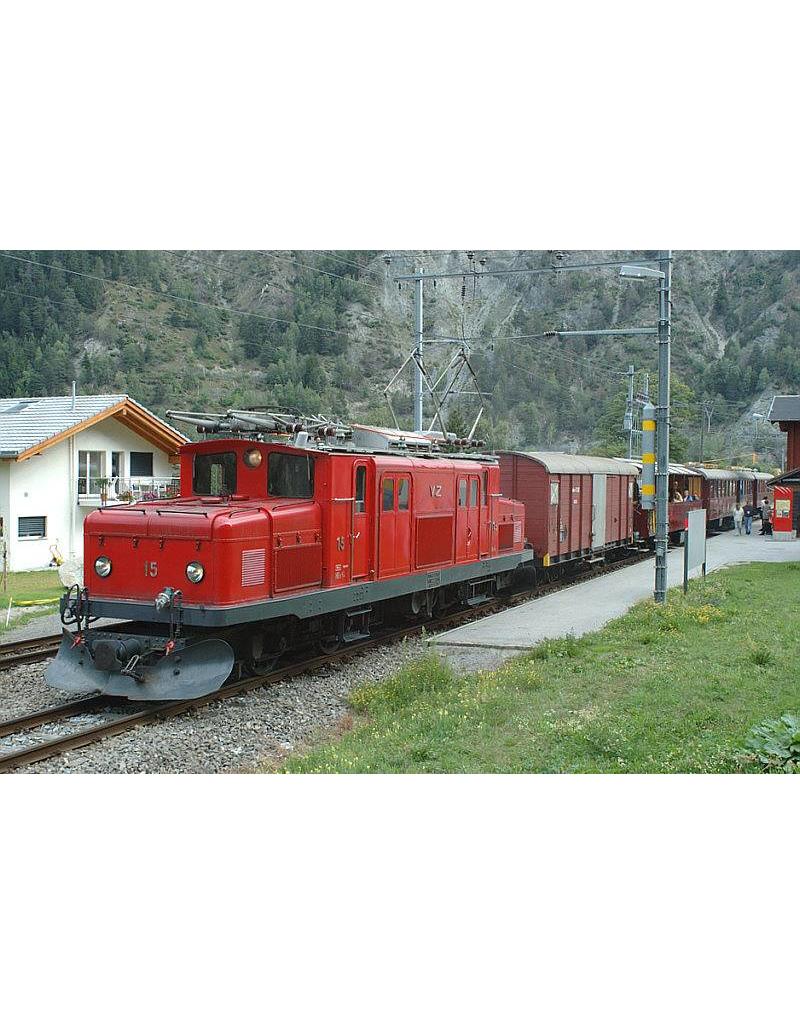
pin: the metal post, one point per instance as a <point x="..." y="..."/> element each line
<point x="662" y="425"/>
<point x="629" y="412"/>
<point x="418" y="350"/>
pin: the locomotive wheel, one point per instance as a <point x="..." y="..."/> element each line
<point x="329" y="644"/>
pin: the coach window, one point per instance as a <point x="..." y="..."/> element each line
<point x="388" y="495"/>
<point x="361" y="489"/>
<point x="402" y="495"/>
<point x="290" y="476"/>
<point x="215" y="473"/>
<point x="554" y="492"/>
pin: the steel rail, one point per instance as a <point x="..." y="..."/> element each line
<point x="23" y="652"/>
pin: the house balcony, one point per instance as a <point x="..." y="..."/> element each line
<point x="124" y="491"/>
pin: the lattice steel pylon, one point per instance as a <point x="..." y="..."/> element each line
<point x="457" y="379"/>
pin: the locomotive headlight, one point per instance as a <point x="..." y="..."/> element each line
<point x="194" y="572"/>
<point x="102" y="566"/>
<point x="253" y="458"/>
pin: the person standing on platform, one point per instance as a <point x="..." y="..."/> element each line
<point x="738" y="518"/>
<point x="766" y="515"/>
<point x="748" y="519"/>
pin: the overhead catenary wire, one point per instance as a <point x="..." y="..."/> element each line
<point x="230" y="310"/>
<point x="318" y="270"/>
<point x="333" y="254"/>
<point x="532" y="338"/>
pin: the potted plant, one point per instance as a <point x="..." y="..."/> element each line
<point x="103" y="483"/>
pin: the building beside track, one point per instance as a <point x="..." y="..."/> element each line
<point x="61" y="457"/>
<point x="785" y="411"/>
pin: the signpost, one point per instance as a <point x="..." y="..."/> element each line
<point x="694" y="544"/>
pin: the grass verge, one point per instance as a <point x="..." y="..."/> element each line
<point x="32" y="586"/>
<point x="29" y="586"/>
<point x="673" y="688"/>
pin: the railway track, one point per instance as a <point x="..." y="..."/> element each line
<point x="24" y="652"/>
<point x="122" y="715"/>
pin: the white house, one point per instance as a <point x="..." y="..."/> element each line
<point x="62" y="457"/>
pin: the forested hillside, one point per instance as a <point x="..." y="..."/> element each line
<point x="324" y="331"/>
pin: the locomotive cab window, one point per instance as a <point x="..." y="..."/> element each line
<point x="402" y="494"/>
<point x="290" y="476"/>
<point x="361" y="489"/>
<point x="214" y="473"/>
<point x="387" y="490"/>
<point x="462" y="492"/>
<point x="473" y="493"/>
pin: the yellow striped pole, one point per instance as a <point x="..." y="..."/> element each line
<point x="648" y="487"/>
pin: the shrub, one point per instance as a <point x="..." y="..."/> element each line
<point x="563" y="647"/>
<point x="761" y="656"/>
<point x="775" y="744"/>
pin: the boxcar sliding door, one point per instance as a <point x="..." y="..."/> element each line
<point x="598" y="510"/>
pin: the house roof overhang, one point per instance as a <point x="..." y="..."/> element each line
<point x="131" y="414"/>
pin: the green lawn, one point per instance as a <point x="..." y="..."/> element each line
<point x="674" y="688"/>
<point x="32" y="586"/>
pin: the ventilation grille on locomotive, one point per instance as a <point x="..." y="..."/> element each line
<point x="253" y="567"/>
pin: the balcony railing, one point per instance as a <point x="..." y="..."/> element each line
<point x="119" y="490"/>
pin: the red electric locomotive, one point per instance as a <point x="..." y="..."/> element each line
<point x="272" y="545"/>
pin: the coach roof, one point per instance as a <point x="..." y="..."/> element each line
<point x="562" y="462"/>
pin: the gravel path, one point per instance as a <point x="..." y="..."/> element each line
<point x="44" y="625"/>
<point x="234" y="735"/>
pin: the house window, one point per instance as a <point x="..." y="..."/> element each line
<point x="141" y="463"/>
<point x="116" y="464"/>
<point x="91" y="469"/>
<point x="29" y="527"/>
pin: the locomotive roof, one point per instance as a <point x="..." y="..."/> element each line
<point x="562" y="462"/>
<point x="391" y="453"/>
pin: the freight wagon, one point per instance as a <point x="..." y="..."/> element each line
<point x="577" y="507"/>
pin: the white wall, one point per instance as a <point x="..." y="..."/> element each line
<point x="44" y="486"/>
<point x="39" y="487"/>
<point x="5" y="475"/>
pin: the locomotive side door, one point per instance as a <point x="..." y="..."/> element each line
<point x="462" y="490"/>
<point x="473" y="517"/>
<point x="394" y="531"/>
<point x="484" y="514"/>
<point x="468" y="512"/>
<point x="359" y="533"/>
<point x="386" y="526"/>
<point x="402" y="549"/>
